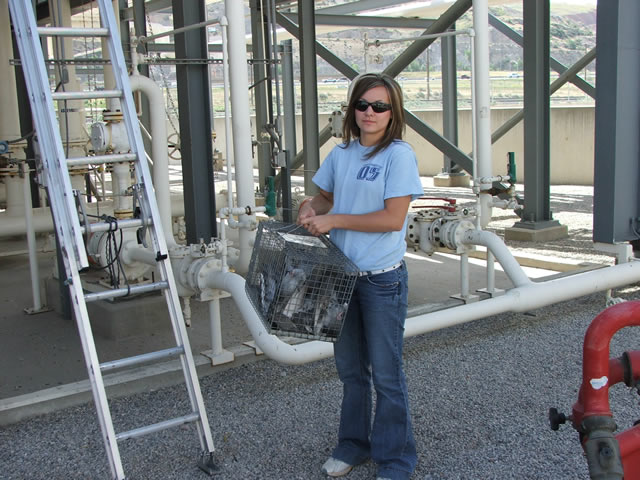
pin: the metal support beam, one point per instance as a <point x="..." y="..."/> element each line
<point x="289" y="108"/>
<point x="309" y="86"/>
<point x="366" y="21"/>
<point x="194" y="98"/>
<point x="616" y="200"/>
<point x="261" y="82"/>
<point x="449" y="98"/>
<point x="127" y="14"/>
<point x="440" y="25"/>
<point x="553" y="88"/>
<point x="358" y="6"/>
<point x="503" y="28"/>
<point x="537" y="213"/>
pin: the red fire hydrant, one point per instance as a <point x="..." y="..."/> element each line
<point x="609" y="456"/>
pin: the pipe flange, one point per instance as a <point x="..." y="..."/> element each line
<point x="111" y="116"/>
<point x="453" y="232"/>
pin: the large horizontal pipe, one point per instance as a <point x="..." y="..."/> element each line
<point x="13" y="225"/>
<point x="519" y="299"/>
<point x="271" y="345"/>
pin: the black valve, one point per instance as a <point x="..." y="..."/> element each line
<point x="556" y="418"/>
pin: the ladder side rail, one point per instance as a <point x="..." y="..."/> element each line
<point x="51" y="150"/>
<point x="118" y="65"/>
<point x="143" y="175"/>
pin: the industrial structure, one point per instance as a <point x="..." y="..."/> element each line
<point x="121" y="232"/>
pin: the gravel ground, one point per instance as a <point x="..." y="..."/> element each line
<point x="480" y="394"/>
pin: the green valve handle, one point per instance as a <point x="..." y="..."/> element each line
<point x="270" y="201"/>
<point x="511" y="167"/>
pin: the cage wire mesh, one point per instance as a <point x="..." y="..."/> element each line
<point x="299" y="284"/>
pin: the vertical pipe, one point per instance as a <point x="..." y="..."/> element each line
<point x="260" y="94"/>
<point x="15" y="199"/>
<point x="120" y="183"/>
<point x="9" y="124"/>
<point x="491" y="273"/>
<point x="241" y="124"/>
<point x="215" y="326"/>
<point x="483" y="108"/>
<point x="474" y="133"/>
<point x="227" y="110"/>
<point x="113" y="104"/>
<point x="153" y="93"/>
<point x="464" y="275"/>
<point x="31" y="239"/>
<point x="289" y="100"/>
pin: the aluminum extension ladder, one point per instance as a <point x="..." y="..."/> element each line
<point x="70" y="231"/>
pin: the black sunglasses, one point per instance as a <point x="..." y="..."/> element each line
<point x="378" y="107"/>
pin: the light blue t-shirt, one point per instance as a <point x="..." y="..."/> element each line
<point x="360" y="186"/>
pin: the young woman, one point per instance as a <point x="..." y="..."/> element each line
<point x="366" y="185"/>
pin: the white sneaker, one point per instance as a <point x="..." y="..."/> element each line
<point x="336" y="468"/>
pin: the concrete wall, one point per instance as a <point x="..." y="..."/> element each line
<point x="572" y="138"/>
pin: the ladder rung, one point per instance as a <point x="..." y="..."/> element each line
<point x="98" y="159"/>
<point x="122" y="224"/>
<point x="73" y="32"/>
<point x="86" y="95"/>
<point x="156" y="427"/>
<point x="123" y="292"/>
<point x="145" y="357"/>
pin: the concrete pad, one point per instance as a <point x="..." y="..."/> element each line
<point x="532" y="235"/>
<point x="449" y="180"/>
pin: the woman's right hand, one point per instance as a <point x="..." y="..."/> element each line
<point x="305" y="211"/>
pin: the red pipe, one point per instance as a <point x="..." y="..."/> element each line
<point x="594" y="392"/>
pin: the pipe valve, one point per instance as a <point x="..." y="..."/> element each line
<point x="556" y="419"/>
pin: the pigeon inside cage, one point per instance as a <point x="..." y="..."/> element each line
<point x="299" y="284"/>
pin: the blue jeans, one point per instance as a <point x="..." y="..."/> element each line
<point x="370" y="348"/>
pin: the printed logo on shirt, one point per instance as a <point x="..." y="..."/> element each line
<point x="369" y="172"/>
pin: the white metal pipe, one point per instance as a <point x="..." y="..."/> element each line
<point x="482" y="100"/>
<point x="464" y="275"/>
<point x="171" y="33"/>
<point x="491" y="272"/>
<point x="520" y="299"/>
<point x="378" y="42"/>
<point x="120" y="183"/>
<point x="9" y="118"/>
<point x="271" y="345"/>
<point x="109" y="80"/>
<point x="11" y="225"/>
<point x="227" y="110"/>
<point x="528" y="297"/>
<point x="241" y="123"/>
<point x="495" y="244"/>
<point x="132" y="252"/>
<point x="158" y="149"/>
<point x="15" y="197"/>
<point x="474" y="133"/>
<point x="31" y="239"/>
<point x="215" y="327"/>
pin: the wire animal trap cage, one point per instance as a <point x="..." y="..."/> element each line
<point x="299" y="284"/>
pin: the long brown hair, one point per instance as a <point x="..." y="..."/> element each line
<point x="395" y="129"/>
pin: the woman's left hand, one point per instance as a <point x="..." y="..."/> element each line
<point x="319" y="224"/>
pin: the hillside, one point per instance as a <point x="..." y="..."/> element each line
<point x="572" y="33"/>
